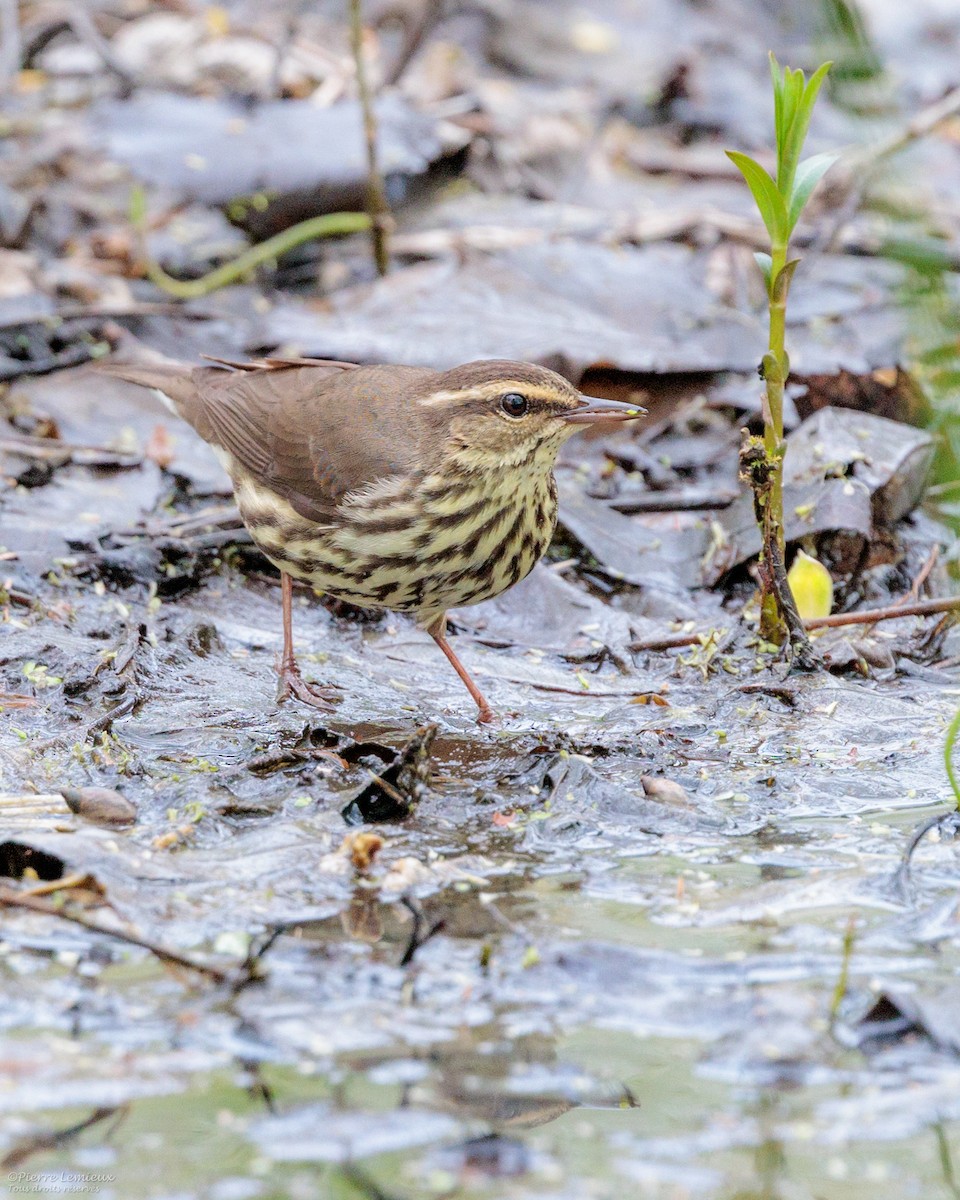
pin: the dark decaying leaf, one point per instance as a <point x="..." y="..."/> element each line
<point x="547" y="611"/>
<point x="395" y="790"/>
<point x="628" y="550"/>
<point x="844" y="470"/>
<point x="575" y="304"/>
<point x="217" y="150"/>
<point x="897" y="1013"/>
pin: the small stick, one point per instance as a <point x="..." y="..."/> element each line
<point x="377" y="205"/>
<point x="415" y="31"/>
<point x="920" y="608"/>
<point x="669" y="641"/>
<point x="11" y="899"/>
<point x="869" y="616"/>
<point x="421" y="933"/>
<point x="10" y="42"/>
<point x="922" y="574"/>
<point x="861" y="167"/>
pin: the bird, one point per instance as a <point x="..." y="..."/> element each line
<point x="388" y="486"/>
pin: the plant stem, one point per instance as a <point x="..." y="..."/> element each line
<point x="775" y="381"/>
<point x="377" y="205"/>
<point x="952" y="730"/>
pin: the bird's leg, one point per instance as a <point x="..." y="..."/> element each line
<point x="292" y="682"/>
<point x="438" y="631"/>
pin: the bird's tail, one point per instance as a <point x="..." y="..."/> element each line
<point x="173" y="383"/>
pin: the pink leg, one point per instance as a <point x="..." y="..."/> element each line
<point x="291" y="681"/>
<point x="438" y="631"/>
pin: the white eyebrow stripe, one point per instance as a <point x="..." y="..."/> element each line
<point x="436" y="399"/>
<point x="491" y="391"/>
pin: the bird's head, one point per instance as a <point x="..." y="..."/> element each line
<point x="500" y="414"/>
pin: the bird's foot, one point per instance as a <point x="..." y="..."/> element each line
<point x="486" y="716"/>
<point x="292" y="683"/>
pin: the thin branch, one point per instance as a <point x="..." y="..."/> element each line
<point x="377" y="206"/>
<point x="869" y="616"/>
<point x="862" y="167"/>
<point x="921" y="608"/>
<point x="415" y="32"/>
<point x="11" y="899"/>
<point x="10" y="43"/>
<point x="669" y="641"/>
<point x="56" y="1139"/>
<point x="421" y="932"/>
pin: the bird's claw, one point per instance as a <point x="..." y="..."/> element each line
<point x="292" y="683"/>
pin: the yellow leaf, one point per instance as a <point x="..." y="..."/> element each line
<point x="218" y="21"/>
<point x="812" y="586"/>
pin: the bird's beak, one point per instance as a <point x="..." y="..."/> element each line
<point x="593" y="409"/>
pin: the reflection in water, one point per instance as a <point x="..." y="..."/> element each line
<point x="58" y="1139"/>
<point x="946" y="1161"/>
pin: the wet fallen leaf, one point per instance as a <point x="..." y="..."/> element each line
<point x="812" y="586"/>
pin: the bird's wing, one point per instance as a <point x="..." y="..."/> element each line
<point x="312" y="434"/>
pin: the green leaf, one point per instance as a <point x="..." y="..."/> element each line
<point x="765" y="263"/>
<point x="812" y="90"/>
<point x="772" y="372"/>
<point x="809" y="173"/>
<point x="800" y="120"/>
<point x="781" y="285"/>
<point x="812" y="586"/>
<point x="776" y="74"/>
<point x="768" y="200"/>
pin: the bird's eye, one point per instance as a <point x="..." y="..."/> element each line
<point x="514" y="405"/>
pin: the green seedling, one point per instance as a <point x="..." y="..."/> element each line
<point x="780" y="200"/>
<point x="952" y="730"/>
<point x="240" y="268"/>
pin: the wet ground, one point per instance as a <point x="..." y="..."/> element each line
<point x="655" y="933"/>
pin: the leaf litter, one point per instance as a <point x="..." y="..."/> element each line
<point x="592" y="948"/>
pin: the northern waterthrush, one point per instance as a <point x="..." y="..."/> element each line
<point x="387" y="486"/>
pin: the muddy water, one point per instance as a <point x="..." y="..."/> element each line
<point x="614" y="995"/>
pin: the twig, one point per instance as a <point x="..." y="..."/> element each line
<point x="86" y="31"/>
<point x="919" y="126"/>
<point x="12" y="899"/>
<point x="869" y="616"/>
<point x="920" y="608"/>
<point x="670" y="641"/>
<point x="923" y="574"/>
<point x="377" y="207"/>
<point x="919" y="581"/>
<point x="861" y="167"/>
<point x="58" y="452"/>
<point x="10" y="44"/>
<point x="418" y="935"/>
<point x="415" y="31"/>
<point x="272" y="759"/>
<point x="41" y="1143"/>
